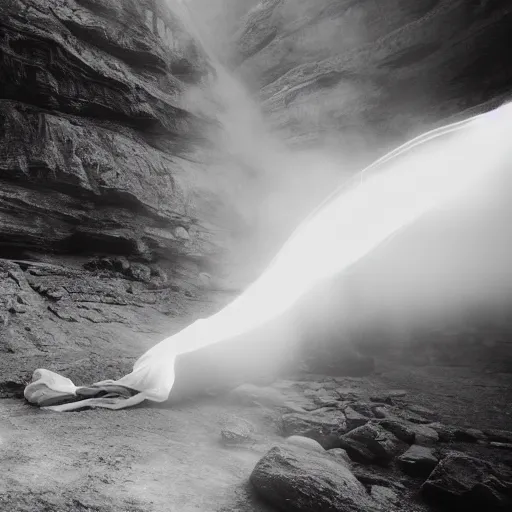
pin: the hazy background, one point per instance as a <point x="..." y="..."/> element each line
<point x="453" y="265"/>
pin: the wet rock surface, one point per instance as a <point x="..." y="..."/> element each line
<point x="292" y="480"/>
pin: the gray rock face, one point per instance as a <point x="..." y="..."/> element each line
<point x="237" y="431"/>
<point x="417" y="461"/>
<point x="449" y="433"/>
<point x="305" y="442"/>
<point x="340" y="455"/>
<point x="326" y="67"/>
<point x="404" y="414"/>
<point x="499" y="436"/>
<point x="463" y="481"/>
<point x="95" y="137"/>
<point x="370" y="476"/>
<point x="385" y="496"/>
<point x="410" y="432"/>
<point x="402" y="430"/>
<point x="425" y="436"/>
<point x="300" y="481"/>
<point x="323" y="425"/>
<point x="354" y="418"/>
<point x="446" y="433"/>
<point x="372" y="444"/>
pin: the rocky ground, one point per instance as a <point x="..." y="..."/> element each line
<point x="354" y="443"/>
<point x="400" y="439"/>
<point x="210" y="448"/>
<point x="89" y="318"/>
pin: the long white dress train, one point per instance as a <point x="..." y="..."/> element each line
<point x="392" y="193"/>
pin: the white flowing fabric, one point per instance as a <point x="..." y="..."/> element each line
<point x="447" y="164"/>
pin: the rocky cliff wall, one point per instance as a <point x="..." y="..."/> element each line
<point x="98" y="149"/>
<point x="110" y="203"/>
<point x="356" y="73"/>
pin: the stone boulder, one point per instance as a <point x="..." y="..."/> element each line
<point x="469" y="483"/>
<point x="401" y="429"/>
<point x="323" y="425"/>
<point x="410" y="432"/>
<point x="418" y="461"/>
<point x="371" y="443"/>
<point x="237" y="431"/>
<point x="404" y="414"/>
<point x="305" y="442"/>
<point x="354" y="418"/>
<point x="294" y="480"/>
<point x="451" y="433"/>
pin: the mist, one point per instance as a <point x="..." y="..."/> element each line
<point x="452" y="264"/>
<point x="270" y="184"/>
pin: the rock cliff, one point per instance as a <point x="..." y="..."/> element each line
<point x="97" y="144"/>
<point x="359" y="72"/>
<point x="108" y="211"/>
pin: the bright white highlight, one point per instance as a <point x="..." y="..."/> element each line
<point x="439" y="167"/>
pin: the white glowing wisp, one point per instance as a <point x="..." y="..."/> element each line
<point x="432" y="170"/>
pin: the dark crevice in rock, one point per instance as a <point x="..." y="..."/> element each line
<point x="84" y="243"/>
